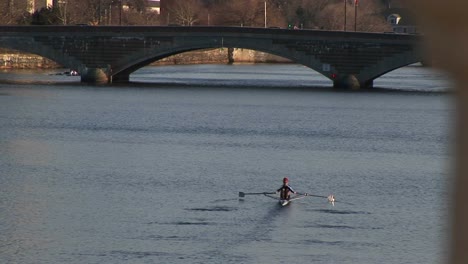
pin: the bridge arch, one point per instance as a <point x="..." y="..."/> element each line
<point x="28" y="45"/>
<point x="387" y="65"/>
<point x="122" y="73"/>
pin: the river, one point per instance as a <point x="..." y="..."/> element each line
<point x="150" y="172"/>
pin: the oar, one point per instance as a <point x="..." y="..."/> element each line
<point x="330" y="198"/>
<point x="313" y="195"/>
<point x="243" y="194"/>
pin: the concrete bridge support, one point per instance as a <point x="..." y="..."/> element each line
<point x="100" y="76"/>
<point x="119" y="78"/>
<point x="346" y="82"/>
<point x="94" y="75"/>
<point x="351" y="82"/>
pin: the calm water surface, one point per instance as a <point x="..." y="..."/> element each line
<point x="150" y="172"/>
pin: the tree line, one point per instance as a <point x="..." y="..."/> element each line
<point x="310" y="14"/>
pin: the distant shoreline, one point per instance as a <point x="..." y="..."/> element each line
<point x="11" y="59"/>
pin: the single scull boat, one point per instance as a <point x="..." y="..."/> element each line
<point x="284" y="202"/>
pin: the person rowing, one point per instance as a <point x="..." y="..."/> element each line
<point x="285" y="190"/>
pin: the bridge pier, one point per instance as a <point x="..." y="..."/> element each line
<point x="94" y="75"/>
<point x="367" y="84"/>
<point x="351" y="82"/>
<point x="99" y="75"/>
<point x="121" y="78"/>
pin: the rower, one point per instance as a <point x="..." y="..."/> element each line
<point x="285" y="190"/>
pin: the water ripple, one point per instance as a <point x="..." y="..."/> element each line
<point x="343" y="212"/>
<point x="213" y="209"/>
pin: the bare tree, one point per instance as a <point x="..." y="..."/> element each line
<point x="323" y="14"/>
<point x="276" y="13"/>
<point x="138" y="15"/>
<point x="93" y="12"/>
<point x="331" y="17"/>
<point x="369" y="17"/>
<point x="241" y="13"/>
<point x="185" y="12"/>
<point x="151" y="18"/>
<point x="10" y="6"/>
<point x="303" y="13"/>
<point x="13" y="12"/>
<point x="137" y="5"/>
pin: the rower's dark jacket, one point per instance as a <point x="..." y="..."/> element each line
<point x="285" y="191"/>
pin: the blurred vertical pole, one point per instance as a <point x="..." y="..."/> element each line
<point x="265" y="15"/>
<point x="65" y="18"/>
<point x="109" y="18"/>
<point x="344" y="27"/>
<point x="120" y="12"/>
<point x="356" y="3"/>
<point x="99" y="12"/>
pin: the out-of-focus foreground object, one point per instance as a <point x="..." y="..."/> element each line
<point x="445" y="24"/>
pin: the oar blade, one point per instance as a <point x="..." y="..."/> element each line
<point x="241" y="194"/>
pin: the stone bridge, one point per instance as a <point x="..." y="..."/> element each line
<point x="111" y="53"/>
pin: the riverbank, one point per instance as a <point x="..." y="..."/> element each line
<point x="10" y="59"/>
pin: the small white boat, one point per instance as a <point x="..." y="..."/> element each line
<point x="284" y="202"/>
